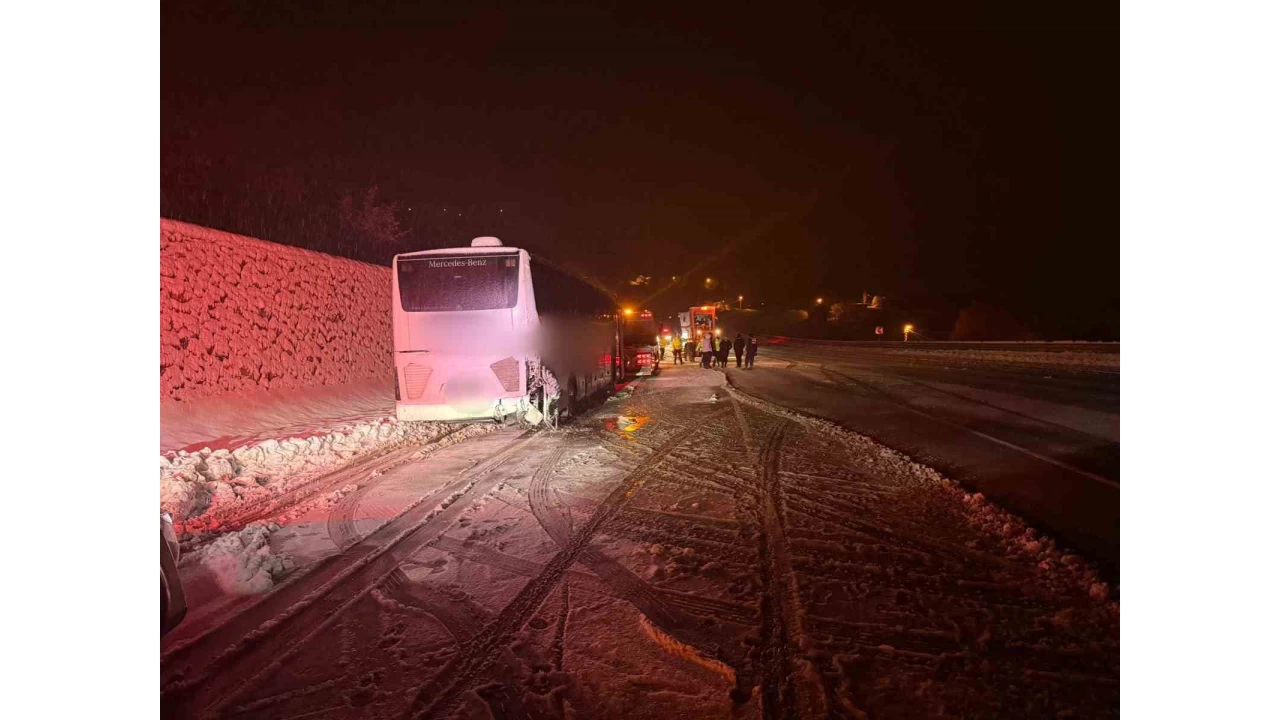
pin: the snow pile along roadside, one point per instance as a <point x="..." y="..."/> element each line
<point x="242" y="562"/>
<point x="1009" y="536"/>
<point x="1082" y="360"/>
<point x="202" y="489"/>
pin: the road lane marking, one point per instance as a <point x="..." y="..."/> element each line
<point x="891" y="399"/>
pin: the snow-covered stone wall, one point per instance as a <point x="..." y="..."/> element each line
<point x="239" y="314"/>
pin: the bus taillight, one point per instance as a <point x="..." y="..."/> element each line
<point x="415" y="380"/>
<point x="508" y="372"/>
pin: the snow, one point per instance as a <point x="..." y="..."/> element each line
<point x="901" y="593"/>
<point x="202" y="489"/>
<point x="238" y="314"/>
<point x="230" y="421"/>
<point x="1067" y="359"/>
<point x="242" y="562"/>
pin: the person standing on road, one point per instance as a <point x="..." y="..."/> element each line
<point x="676" y="352"/>
<point x="708" y="349"/>
<point x="725" y="345"/>
<point x="690" y="350"/>
<point x="738" y="345"/>
<point x="752" y="346"/>
<point x="662" y="350"/>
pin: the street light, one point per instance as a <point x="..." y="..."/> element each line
<point x="819" y="301"/>
<point x="906" y="331"/>
<point x="739" y="302"/>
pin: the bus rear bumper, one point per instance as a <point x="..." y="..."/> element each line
<point x="409" y="412"/>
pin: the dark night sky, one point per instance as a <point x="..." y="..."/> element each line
<point x="932" y="158"/>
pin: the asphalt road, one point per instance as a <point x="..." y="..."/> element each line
<point x="1041" y="440"/>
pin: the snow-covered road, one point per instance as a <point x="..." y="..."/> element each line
<point x="684" y="551"/>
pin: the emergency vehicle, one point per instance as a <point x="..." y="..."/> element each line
<point x="698" y="321"/>
<point x="640" y="338"/>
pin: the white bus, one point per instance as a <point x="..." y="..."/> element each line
<point x="489" y="332"/>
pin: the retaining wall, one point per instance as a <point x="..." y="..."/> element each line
<point x="238" y="314"/>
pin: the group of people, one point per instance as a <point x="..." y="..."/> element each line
<point x="713" y="356"/>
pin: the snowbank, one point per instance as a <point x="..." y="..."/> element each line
<point x="1007" y="534"/>
<point x="239" y="314"/>
<point x="242" y="562"/>
<point x="203" y="489"/>
<point x="1083" y="360"/>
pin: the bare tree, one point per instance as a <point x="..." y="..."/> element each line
<point x="370" y="226"/>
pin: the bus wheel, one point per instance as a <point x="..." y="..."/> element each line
<point x="545" y="406"/>
<point x="552" y="416"/>
<point x="571" y="400"/>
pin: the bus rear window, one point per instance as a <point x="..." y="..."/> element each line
<point x="438" y="283"/>
<point x="639" y="332"/>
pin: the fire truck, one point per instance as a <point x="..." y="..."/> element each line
<point x="697" y="322"/>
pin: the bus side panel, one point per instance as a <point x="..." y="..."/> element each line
<point x="618" y="370"/>
<point x="581" y="348"/>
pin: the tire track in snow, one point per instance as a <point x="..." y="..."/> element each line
<point x="819" y="508"/>
<point x="585" y="582"/>
<point x="440" y="696"/>
<point x="854" y="489"/>
<point x="945" y="574"/>
<point x="212" y="671"/>
<point x="673" y="519"/>
<point x="342" y="523"/>
<point x="728" y="484"/>
<point x="685" y="629"/>
<point x="726" y="551"/>
<point x="780" y="693"/>
<point x="562" y="623"/>
<point x="381" y="462"/>
<point x="460" y="615"/>
<point x="710" y="482"/>
<point x="925" y="587"/>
